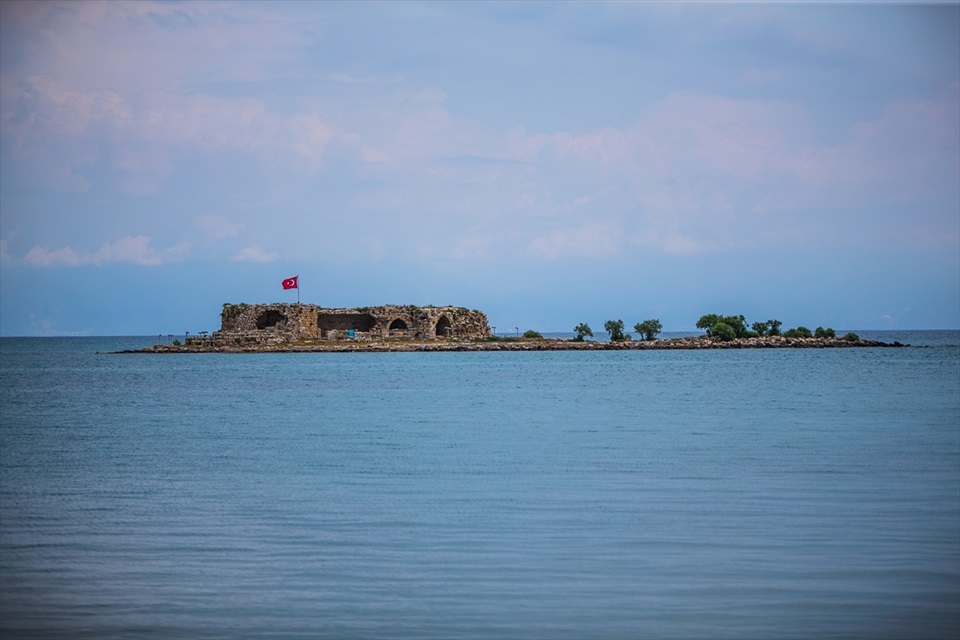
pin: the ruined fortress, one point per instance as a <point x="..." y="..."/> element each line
<point x="308" y="328"/>
<point x="247" y="325"/>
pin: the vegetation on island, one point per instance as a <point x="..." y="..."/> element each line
<point x="582" y="330"/>
<point x="726" y="328"/>
<point x="649" y="329"/>
<point x="768" y="328"/>
<point x="530" y="334"/>
<point x="718" y="327"/>
<point x="615" y="329"/>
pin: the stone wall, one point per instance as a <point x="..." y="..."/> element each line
<point x="288" y="322"/>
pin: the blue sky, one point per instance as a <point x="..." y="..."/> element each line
<point x="548" y="163"/>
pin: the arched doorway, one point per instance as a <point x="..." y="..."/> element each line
<point x="444" y="327"/>
<point x="398" y="325"/>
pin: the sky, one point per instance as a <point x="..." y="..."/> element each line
<point x="548" y="163"/>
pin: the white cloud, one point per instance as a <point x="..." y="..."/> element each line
<point x="595" y="239"/>
<point x="254" y="253"/>
<point x="689" y="170"/>
<point x="146" y="136"/>
<point x="65" y="179"/>
<point x="672" y="242"/>
<point x="217" y="227"/>
<point x="129" y="249"/>
<point x="346" y="78"/>
<point x="62" y="257"/>
<point x="759" y="77"/>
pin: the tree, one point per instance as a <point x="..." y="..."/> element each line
<point x="706" y="322"/>
<point x="615" y="329"/>
<point x="648" y="329"/>
<point x="531" y="334"/>
<point x="820" y="332"/>
<point x="773" y="327"/>
<point x="582" y="330"/>
<point x="737" y="323"/>
<point x="799" y="332"/>
<point x="760" y="328"/>
<point x="723" y="332"/>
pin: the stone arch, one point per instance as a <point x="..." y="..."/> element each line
<point x="444" y="326"/>
<point x="270" y="318"/>
<point x="345" y="322"/>
<point x="398" y="325"/>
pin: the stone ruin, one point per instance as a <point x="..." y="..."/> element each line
<point x="244" y="324"/>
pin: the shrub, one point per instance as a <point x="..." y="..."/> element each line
<point x="648" y="329"/>
<point x="824" y="333"/>
<point x="615" y="329"/>
<point x="760" y="328"/>
<point x="851" y="337"/>
<point x="531" y="334"/>
<point x="799" y="332"/>
<point x="582" y="330"/>
<point x="723" y="332"/>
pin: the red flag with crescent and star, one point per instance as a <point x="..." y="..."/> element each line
<point x="290" y="283"/>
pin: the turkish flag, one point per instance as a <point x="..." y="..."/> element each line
<point x="290" y="283"/>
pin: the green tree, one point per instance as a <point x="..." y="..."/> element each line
<point x="773" y="327"/>
<point x="799" y="332"/>
<point x="820" y="332"/>
<point x="582" y="330"/>
<point x="723" y="332"/>
<point x="760" y="328"/>
<point x="648" y="329"/>
<point x="707" y="322"/>
<point x="737" y="323"/>
<point x="615" y="329"/>
<point x="531" y="334"/>
<point x="851" y="337"/>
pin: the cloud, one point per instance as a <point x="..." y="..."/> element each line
<point x="589" y="240"/>
<point x="129" y="249"/>
<point x="5" y="257"/>
<point x="254" y="253"/>
<point x="760" y="77"/>
<point x="907" y="154"/>
<point x="147" y="45"/>
<point x="217" y="227"/>
<point x="671" y="242"/>
<point x="346" y="78"/>
<point x="148" y="135"/>
<point x="688" y="168"/>
<point x="66" y="179"/>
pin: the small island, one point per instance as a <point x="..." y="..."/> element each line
<point x="272" y="328"/>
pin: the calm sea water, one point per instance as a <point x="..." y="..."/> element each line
<point x="663" y="494"/>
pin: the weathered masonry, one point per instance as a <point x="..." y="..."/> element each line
<point x="258" y="323"/>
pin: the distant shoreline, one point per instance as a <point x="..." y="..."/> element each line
<point x="511" y="344"/>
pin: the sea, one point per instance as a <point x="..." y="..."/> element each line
<point x="787" y="493"/>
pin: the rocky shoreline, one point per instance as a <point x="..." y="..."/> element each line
<point x="509" y="344"/>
